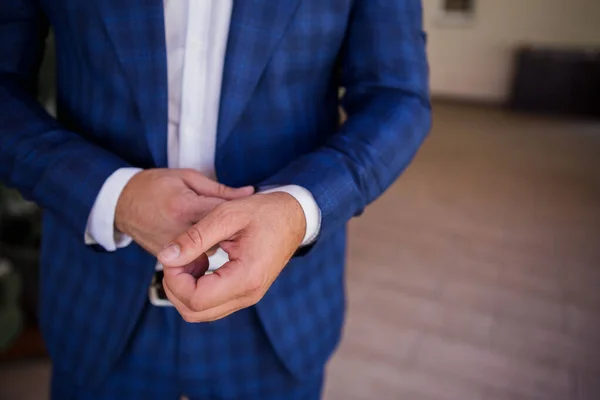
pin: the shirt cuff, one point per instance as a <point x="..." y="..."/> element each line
<point x="100" y="227"/>
<point x="311" y="209"/>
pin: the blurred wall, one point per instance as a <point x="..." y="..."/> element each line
<point x="475" y="61"/>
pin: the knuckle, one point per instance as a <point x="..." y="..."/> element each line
<point x="222" y="213"/>
<point x="222" y="209"/>
<point x="227" y="214"/>
<point x="188" y="317"/>
<point x="221" y="189"/>
<point x="253" y="299"/>
<point x="228" y="219"/>
<point x="254" y="284"/>
<point x="194" y="235"/>
<point x="196" y="305"/>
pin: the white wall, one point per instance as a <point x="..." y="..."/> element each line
<point x="475" y="61"/>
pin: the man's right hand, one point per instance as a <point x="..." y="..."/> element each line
<point x="157" y="205"/>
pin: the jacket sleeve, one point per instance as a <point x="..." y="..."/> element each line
<point x="54" y="167"/>
<point x="385" y="74"/>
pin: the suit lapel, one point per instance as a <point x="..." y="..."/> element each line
<point x="256" y="28"/>
<point x="136" y="30"/>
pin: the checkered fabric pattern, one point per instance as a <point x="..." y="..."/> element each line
<point x="278" y="124"/>
<point x="168" y="358"/>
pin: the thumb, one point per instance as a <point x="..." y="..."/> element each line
<point x="216" y="227"/>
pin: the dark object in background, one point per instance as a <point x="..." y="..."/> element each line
<point x="557" y="81"/>
<point x="19" y="248"/>
<point x="11" y="316"/>
<point x="466" y="6"/>
<point x="19" y="230"/>
<point x="20" y="233"/>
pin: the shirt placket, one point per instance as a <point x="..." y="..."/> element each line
<point x="196" y="148"/>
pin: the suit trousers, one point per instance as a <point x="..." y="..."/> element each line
<point x="168" y="358"/>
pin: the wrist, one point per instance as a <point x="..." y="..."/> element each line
<point x="119" y="216"/>
<point x="294" y="216"/>
<point x="124" y="203"/>
<point x="310" y="208"/>
<point x="100" y="228"/>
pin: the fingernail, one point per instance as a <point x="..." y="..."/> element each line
<point x="170" y="253"/>
<point x="248" y="189"/>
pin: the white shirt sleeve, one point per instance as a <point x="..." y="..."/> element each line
<point x="100" y="228"/>
<point x="311" y="209"/>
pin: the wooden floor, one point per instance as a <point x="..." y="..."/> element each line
<point x="476" y="277"/>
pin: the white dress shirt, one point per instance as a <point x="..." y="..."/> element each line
<point x="196" y="34"/>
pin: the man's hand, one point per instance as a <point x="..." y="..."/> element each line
<point x="260" y="233"/>
<point x="156" y="205"/>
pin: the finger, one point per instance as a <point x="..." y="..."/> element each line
<point x="184" y="310"/>
<point x="219" y="225"/>
<point x="215" y="314"/>
<point x="197" y="268"/>
<point x="208" y="187"/>
<point x="224" y="285"/>
<point x="200" y="206"/>
<point x="188" y="274"/>
<point x="212" y="314"/>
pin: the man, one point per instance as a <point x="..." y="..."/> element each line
<point x="246" y="91"/>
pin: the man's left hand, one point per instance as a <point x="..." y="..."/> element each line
<point x="260" y="233"/>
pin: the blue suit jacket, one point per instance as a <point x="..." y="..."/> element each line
<point x="278" y="124"/>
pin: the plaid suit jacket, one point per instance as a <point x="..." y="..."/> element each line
<point x="278" y="124"/>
